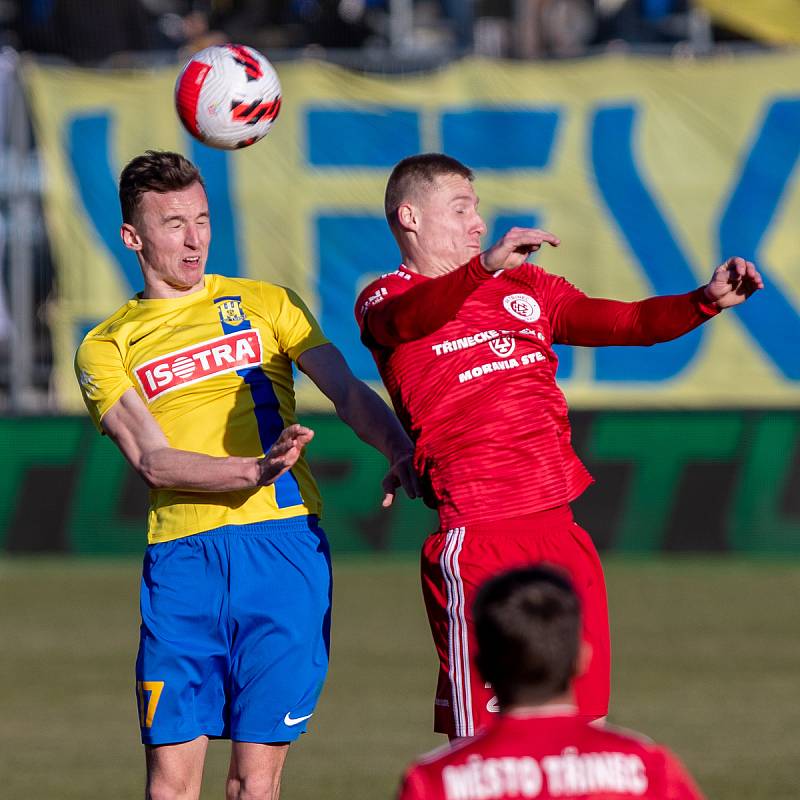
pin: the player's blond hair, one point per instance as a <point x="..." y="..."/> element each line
<point x="415" y="173"/>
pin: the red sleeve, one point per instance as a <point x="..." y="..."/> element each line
<point x="413" y="787"/>
<point x="423" y="308"/>
<point x="679" y="785"/>
<point x="594" y="322"/>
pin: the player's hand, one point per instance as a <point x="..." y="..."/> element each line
<point x="733" y="282"/>
<point x="401" y="473"/>
<point x="283" y="455"/>
<point x="514" y="248"/>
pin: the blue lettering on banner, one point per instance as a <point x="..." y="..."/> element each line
<point x="502" y="139"/>
<point x="350" y="242"/>
<point x="504" y="220"/>
<point x="771" y="321"/>
<point x="379" y="137"/>
<point x="648" y="235"/>
<point x="87" y="149"/>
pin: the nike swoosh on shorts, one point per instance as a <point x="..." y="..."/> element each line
<point x="289" y="720"/>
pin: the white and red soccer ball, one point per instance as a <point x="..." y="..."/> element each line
<point x="228" y="96"/>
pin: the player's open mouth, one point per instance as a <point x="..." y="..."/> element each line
<point x="192" y="260"/>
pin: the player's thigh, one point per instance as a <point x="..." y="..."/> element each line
<point x="465" y="558"/>
<point x="586" y="571"/>
<point x="281" y="611"/>
<point x="182" y="663"/>
<point x="582" y="561"/>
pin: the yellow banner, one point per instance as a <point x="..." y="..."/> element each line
<point x="773" y="21"/>
<point x="650" y="171"/>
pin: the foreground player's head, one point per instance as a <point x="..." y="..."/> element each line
<point x="165" y="221"/>
<point x="432" y="210"/>
<point x="527" y="622"/>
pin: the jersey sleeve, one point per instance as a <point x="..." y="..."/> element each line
<point x="390" y="313"/>
<point x="296" y="329"/>
<point x="679" y="784"/>
<point x="413" y="787"/>
<point x="577" y="319"/>
<point x="101" y="376"/>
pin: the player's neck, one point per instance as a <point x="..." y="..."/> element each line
<point x="161" y="290"/>
<point x="562" y="702"/>
<point x="430" y="267"/>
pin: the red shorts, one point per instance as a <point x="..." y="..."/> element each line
<point x="454" y="565"/>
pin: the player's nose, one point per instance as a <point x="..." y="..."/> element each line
<point x="192" y="236"/>
<point x="479" y="226"/>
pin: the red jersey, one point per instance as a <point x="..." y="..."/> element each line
<point x="468" y="361"/>
<point x="548" y="754"/>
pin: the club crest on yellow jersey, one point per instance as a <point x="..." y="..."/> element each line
<point x="230" y="310"/>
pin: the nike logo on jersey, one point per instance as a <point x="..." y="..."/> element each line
<point x="139" y="338"/>
<point x="290" y="721"/>
<point x="233" y="351"/>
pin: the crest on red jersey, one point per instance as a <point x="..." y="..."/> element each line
<point x="522" y="306"/>
<point x="503" y="346"/>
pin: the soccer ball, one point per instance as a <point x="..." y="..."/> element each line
<point x="228" y="96"/>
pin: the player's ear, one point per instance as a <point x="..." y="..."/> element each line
<point x="130" y="238"/>
<point x="584" y="658"/>
<point x="407" y="217"/>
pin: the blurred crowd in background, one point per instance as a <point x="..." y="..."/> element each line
<point x="90" y="32"/>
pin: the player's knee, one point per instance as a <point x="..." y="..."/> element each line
<point x="162" y="788"/>
<point x="261" y="786"/>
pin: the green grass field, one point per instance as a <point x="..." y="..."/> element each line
<point x="706" y="659"/>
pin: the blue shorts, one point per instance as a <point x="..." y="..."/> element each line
<point x="235" y="633"/>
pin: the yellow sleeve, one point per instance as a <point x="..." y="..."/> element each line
<point x="101" y="375"/>
<point x="295" y="327"/>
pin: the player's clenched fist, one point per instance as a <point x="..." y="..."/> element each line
<point x="283" y="455"/>
<point x="512" y="250"/>
<point x="733" y="282"/>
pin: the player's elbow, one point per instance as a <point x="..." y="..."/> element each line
<point x="152" y="479"/>
<point x="151" y="472"/>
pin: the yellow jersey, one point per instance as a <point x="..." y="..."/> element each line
<point x="215" y="370"/>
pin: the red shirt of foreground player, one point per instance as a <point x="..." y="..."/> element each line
<point x="546" y="753"/>
<point x="527" y="624"/>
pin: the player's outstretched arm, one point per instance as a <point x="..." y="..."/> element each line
<point x="137" y="434"/>
<point x="733" y="282"/>
<point x="595" y="322"/>
<point x="371" y="419"/>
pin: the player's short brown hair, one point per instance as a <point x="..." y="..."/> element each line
<point x="527" y="623"/>
<point x="418" y="171"/>
<point x="154" y="171"/>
